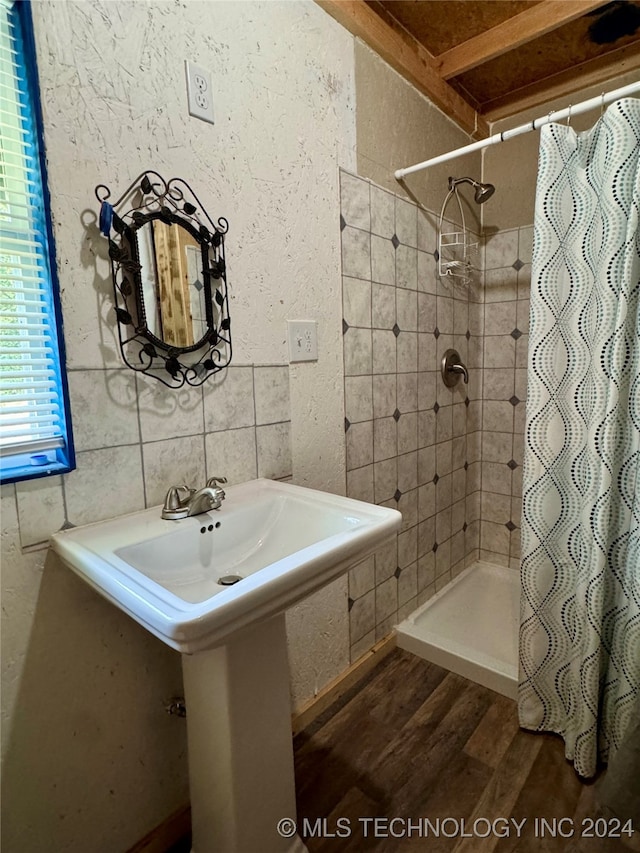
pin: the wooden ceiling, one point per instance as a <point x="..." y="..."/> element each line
<point x="483" y="60"/>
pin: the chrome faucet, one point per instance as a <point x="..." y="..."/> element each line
<point x="194" y="502"/>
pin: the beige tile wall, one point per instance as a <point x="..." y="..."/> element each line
<point x="507" y="275"/>
<point x="411" y="442"/>
<point x="449" y="460"/>
<point x="133" y="441"/>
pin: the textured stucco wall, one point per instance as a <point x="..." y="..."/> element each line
<point x="397" y="126"/>
<point x="85" y="735"/>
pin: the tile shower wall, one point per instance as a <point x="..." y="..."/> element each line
<point x="134" y="440"/>
<point x="411" y="443"/>
<point x="507" y="276"/>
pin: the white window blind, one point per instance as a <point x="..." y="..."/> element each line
<point x="34" y="419"/>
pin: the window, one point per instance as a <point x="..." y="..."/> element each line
<point x="35" y="426"/>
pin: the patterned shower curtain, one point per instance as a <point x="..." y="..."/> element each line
<point x="580" y="604"/>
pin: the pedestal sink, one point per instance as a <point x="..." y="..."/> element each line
<point x="215" y="587"/>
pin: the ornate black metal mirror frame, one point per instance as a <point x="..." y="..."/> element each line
<point x="150" y="198"/>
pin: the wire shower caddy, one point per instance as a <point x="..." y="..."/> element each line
<point x="457" y="249"/>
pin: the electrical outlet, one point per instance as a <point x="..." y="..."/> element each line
<point x="199" y="92"/>
<point x="303" y="340"/>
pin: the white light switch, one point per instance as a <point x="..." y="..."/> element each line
<point x="303" y="340"/>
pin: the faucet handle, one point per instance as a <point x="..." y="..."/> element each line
<point x="212" y="482"/>
<point x="172" y="501"/>
<point x="452" y="367"/>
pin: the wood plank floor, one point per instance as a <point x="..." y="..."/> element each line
<point x="415" y="741"/>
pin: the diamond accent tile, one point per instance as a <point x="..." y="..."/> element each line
<point x="198" y="285"/>
<point x="466" y="466"/>
<point x="467" y="401"/>
<point x="467" y="334"/>
<point x="464" y="527"/>
<point x="517" y="265"/>
<point x="347" y="424"/>
<point x="435" y="547"/>
<point x="397" y="572"/>
<point x="436" y="408"/>
<point x="397" y="495"/>
<point x="396" y="415"/>
<point x="435" y="479"/>
<point x="395" y="241"/>
<point x="343" y="224"/>
<point x="512" y="464"/>
<point x="396" y="329"/>
<point x="510" y="525"/>
<point x="516" y="334"/>
<point x="345" y="327"/>
<point x="350" y="602"/>
<point x="436" y="333"/>
<point x="436" y="255"/>
<point x="514" y="400"/>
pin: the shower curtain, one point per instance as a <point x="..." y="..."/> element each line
<point x="580" y="603"/>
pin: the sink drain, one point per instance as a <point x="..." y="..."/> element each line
<point x="229" y="580"/>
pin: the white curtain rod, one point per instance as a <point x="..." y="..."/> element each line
<point x="558" y="115"/>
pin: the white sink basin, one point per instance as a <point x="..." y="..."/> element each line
<point x="284" y="542"/>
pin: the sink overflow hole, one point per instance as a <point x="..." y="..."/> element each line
<point x="229" y="580"/>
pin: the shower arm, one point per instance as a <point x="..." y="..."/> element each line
<point x="453" y="182"/>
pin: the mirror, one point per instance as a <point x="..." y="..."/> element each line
<point x="173" y="264"/>
<point x="169" y="278"/>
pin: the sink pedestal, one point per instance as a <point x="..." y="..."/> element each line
<point x="287" y="542"/>
<point x="240" y="744"/>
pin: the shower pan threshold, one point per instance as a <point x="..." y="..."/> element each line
<point x="470" y="627"/>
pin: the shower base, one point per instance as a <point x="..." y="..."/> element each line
<point x="471" y="627"/>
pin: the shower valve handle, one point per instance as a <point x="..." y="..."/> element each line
<point x="452" y="368"/>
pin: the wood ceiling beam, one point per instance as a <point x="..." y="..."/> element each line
<point x="542" y="18"/>
<point x="593" y="72"/>
<point x="409" y="58"/>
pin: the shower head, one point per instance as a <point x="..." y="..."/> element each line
<point x="483" y="192"/>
